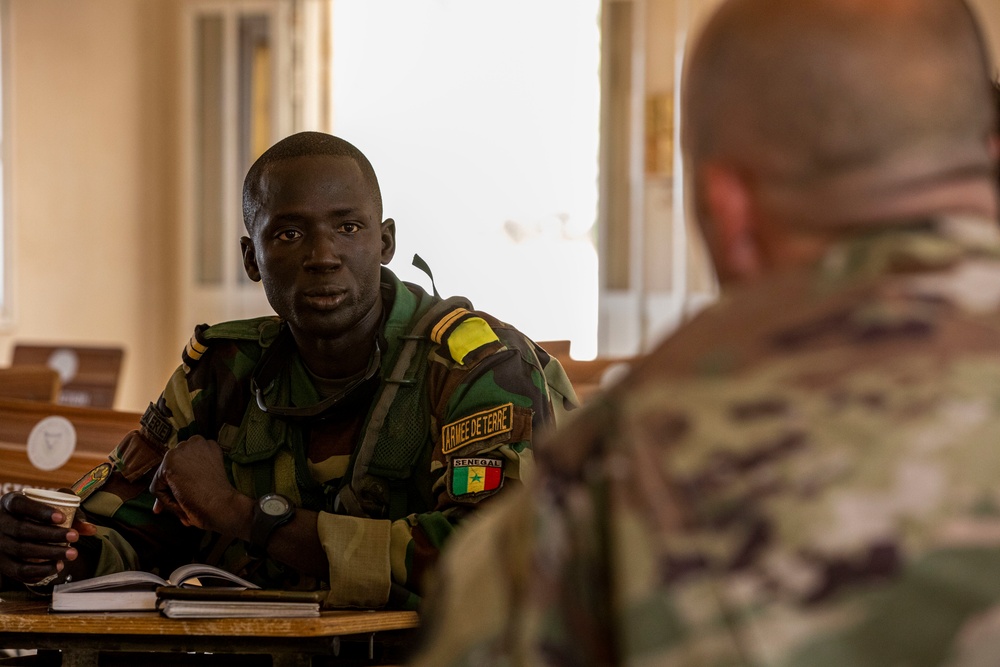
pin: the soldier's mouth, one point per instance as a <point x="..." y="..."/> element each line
<point x="324" y="298"/>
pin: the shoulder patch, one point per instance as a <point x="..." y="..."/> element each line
<point x="485" y="424"/>
<point x="155" y="426"/>
<point x="92" y="481"/>
<point x="474" y="477"/>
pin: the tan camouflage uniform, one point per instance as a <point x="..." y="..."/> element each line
<point x="806" y="475"/>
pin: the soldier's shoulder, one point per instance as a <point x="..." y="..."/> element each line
<point x="256" y="332"/>
<point x="258" y="328"/>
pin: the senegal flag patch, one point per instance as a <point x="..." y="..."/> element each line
<point x="473" y="476"/>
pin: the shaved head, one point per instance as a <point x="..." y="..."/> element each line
<point x="891" y="94"/>
<point x="301" y="145"/>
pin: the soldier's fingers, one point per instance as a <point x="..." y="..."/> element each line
<point x="81" y="528"/>
<point x="17" y="532"/>
<point x="34" y="552"/>
<point x="166" y="501"/>
<point x="19" y="505"/>
<point x="32" y="572"/>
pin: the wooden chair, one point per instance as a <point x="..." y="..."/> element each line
<point x="37" y="442"/>
<point x="89" y="374"/>
<point x="557" y="348"/>
<point x="33" y="383"/>
<point x="588" y="376"/>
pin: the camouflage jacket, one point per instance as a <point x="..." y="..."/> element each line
<point x="463" y="415"/>
<point x="805" y="475"/>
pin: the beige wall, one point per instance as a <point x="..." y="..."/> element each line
<point x="93" y="170"/>
<point x="989" y="14"/>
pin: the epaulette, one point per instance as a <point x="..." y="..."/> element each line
<point x="463" y="332"/>
<point x="261" y="329"/>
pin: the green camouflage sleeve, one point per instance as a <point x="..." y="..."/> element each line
<point x="132" y="536"/>
<point x="817" y="489"/>
<point x="487" y="407"/>
<point x="205" y="396"/>
<point x="526" y="582"/>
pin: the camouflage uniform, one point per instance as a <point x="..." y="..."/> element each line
<point x="462" y="418"/>
<point x="805" y="475"/>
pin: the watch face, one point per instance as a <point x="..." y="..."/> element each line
<point x="274" y="505"/>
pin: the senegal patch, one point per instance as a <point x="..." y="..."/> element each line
<point x="479" y="426"/>
<point x="92" y="481"/>
<point x="473" y="476"/>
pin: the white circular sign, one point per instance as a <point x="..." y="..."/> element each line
<point x="65" y="362"/>
<point x="51" y="443"/>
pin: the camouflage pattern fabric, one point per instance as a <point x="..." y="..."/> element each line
<point x="487" y="390"/>
<point x="806" y="475"/>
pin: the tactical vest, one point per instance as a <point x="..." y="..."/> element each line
<point x="268" y="451"/>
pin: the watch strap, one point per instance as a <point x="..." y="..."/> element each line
<point x="263" y="525"/>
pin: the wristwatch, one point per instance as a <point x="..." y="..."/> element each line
<point x="272" y="510"/>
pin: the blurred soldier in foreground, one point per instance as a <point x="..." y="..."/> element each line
<point x="808" y="474"/>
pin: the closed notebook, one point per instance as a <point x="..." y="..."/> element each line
<point x="231" y="603"/>
<point x="136" y="591"/>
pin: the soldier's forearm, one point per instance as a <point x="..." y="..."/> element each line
<point x="297" y="544"/>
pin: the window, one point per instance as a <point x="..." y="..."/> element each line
<point x="254" y="73"/>
<point x="482" y="122"/>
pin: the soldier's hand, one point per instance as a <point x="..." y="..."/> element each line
<point x="191" y="482"/>
<point x="32" y="544"/>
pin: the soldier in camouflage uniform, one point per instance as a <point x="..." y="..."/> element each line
<point x="380" y="413"/>
<point x="808" y="473"/>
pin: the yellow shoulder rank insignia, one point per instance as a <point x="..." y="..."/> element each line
<point x="92" y="481"/>
<point x="468" y="336"/>
<point x="463" y="332"/>
<point x="195" y="349"/>
<point x="437" y="333"/>
<point x="479" y="426"/>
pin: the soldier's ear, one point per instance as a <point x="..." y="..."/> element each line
<point x="388" y="233"/>
<point x="726" y="203"/>
<point x="250" y="259"/>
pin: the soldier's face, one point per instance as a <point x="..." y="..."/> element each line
<point x="317" y="245"/>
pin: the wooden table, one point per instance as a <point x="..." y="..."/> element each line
<point x="148" y="639"/>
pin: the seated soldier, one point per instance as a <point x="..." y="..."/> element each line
<point x="334" y="446"/>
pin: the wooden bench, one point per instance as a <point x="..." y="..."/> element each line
<point x="588" y="376"/>
<point x="51" y="446"/>
<point x="89" y="374"/>
<point x="33" y="383"/>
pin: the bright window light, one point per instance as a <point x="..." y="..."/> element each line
<point x="481" y="119"/>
